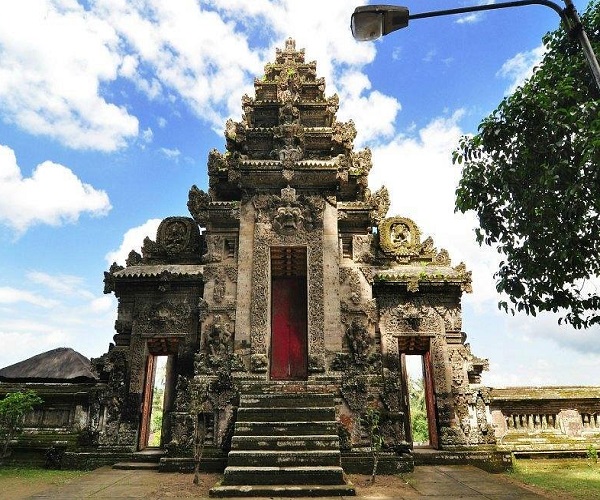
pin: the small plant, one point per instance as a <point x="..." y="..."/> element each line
<point x="371" y="420"/>
<point x="13" y="409"/>
<point x="592" y="454"/>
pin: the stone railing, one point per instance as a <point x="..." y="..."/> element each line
<point x="546" y="419"/>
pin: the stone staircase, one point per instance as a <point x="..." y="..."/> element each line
<point x="284" y="445"/>
<point x="148" y="459"/>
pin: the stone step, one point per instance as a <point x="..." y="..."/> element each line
<point x="240" y="475"/>
<point x="284" y="490"/>
<point x="319" y="458"/>
<point x="285" y="428"/>
<point x="285" y="414"/>
<point x="286" y="443"/>
<point x="148" y="455"/>
<point x="286" y="400"/>
<point x="136" y="466"/>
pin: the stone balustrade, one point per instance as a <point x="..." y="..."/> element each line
<point x="546" y="419"/>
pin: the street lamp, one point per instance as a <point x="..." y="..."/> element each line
<point x="373" y="21"/>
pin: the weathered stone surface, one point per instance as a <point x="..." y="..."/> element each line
<point x="288" y="201"/>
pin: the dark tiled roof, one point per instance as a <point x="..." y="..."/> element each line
<point x="58" y="365"/>
<point x="150" y="271"/>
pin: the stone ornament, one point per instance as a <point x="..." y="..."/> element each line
<point x="177" y="235"/>
<point x="399" y="236"/>
<point x="168" y="316"/>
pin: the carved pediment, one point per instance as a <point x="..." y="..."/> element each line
<point x="168" y="316"/>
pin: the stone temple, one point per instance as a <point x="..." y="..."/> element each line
<point x="286" y="306"/>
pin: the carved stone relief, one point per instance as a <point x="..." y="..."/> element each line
<point x="265" y="236"/>
<point x="221" y="277"/>
<point x="362" y="248"/>
<point x="198" y="203"/>
<point x="360" y="304"/>
<point x="408" y="317"/>
<point x="214" y="248"/>
<point x="166" y="316"/>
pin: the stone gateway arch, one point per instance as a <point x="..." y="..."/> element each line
<point x="285" y="307"/>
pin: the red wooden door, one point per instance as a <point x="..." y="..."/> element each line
<point x="289" y="350"/>
<point x="405" y="400"/>
<point x="147" y="403"/>
<point x="430" y="402"/>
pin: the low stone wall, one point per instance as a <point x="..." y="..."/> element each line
<point x="60" y="424"/>
<point x="530" y="420"/>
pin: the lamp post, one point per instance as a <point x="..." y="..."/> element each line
<point x="373" y="21"/>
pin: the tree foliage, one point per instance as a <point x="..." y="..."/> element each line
<point x="532" y="175"/>
<point x="13" y="409"/>
<point x="418" y="412"/>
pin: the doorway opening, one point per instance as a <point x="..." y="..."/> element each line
<point x="289" y="315"/>
<point x="417" y="400"/>
<point x="156" y="403"/>
<point x="420" y="424"/>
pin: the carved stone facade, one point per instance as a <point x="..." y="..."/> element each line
<point x="288" y="205"/>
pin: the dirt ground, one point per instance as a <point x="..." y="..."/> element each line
<point x="171" y="485"/>
<point x="181" y="485"/>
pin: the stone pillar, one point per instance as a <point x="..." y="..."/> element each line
<point x="244" y="276"/>
<point x="333" y="331"/>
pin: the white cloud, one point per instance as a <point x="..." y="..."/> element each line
<point x="520" y="67"/>
<point x="76" y="322"/>
<point x="536" y="351"/>
<point x="172" y="154"/>
<point x="52" y="195"/>
<point x="375" y="112"/>
<point x="474" y="17"/>
<point x="10" y="295"/>
<point x="61" y="284"/>
<point x="54" y="57"/>
<point x="418" y="172"/>
<point x="147" y="135"/>
<point x="205" y="55"/>
<point x="49" y="311"/>
<point x="103" y="304"/>
<point x="133" y="240"/>
<point x="430" y="55"/>
<point x="471" y="18"/>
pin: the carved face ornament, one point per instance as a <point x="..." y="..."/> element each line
<point x="287" y="219"/>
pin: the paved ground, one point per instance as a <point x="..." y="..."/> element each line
<point x="438" y="482"/>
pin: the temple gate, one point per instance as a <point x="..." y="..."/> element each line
<point x="298" y="285"/>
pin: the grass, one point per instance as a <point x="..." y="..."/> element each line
<point x="578" y="478"/>
<point x="22" y="481"/>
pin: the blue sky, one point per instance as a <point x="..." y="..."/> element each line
<point x="108" y="110"/>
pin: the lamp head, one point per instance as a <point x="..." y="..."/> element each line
<point x="373" y="21"/>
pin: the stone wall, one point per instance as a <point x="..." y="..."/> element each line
<point x="66" y="419"/>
